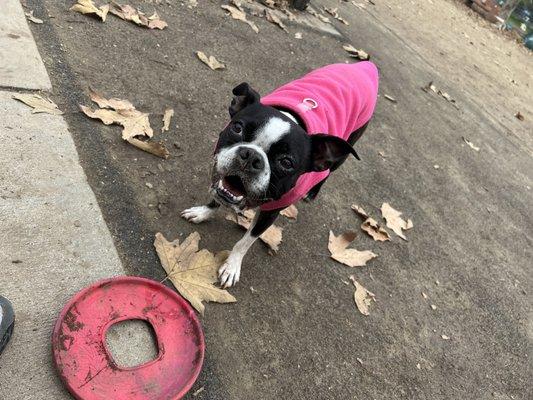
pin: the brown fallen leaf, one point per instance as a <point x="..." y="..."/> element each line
<point x="156" y="148"/>
<point x="192" y="271"/>
<point x="362" y="297"/>
<point x="469" y="143"/>
<point x="333" y="12"/>
<point x="32" y="18"/>
<point x="359" y="211"/>
<point x="519" y="116"/>
<point x="167" y="116"/>
<point x="38" y="104"/>
<point x="318" y="15"/>
<point x="430" y="87"/>
<point x="239" y="15"/>
<point x="356" y="53"/>
<point x="129" y="13"/>
<point x="88" y="7"/>
<point x="210" y="61"/>
<point x="272" y="237"/>
<point x="274" y="19"/>
<point x="290" y="212"/>
<point x="394" y="221"/>
<point x="371" y="226"/>
<point x="135" y="122"/>
<point x="337" y="246"/>
<point x="382" y="154"/>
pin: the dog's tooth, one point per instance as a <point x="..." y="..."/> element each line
<point x="220" y="186"/>
<point x="239" y="198"/>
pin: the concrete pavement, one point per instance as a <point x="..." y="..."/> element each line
<point x="53" y="238"/>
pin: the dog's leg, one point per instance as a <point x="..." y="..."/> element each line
<point x="229" y="273"/>
<point x="200" y="213"/>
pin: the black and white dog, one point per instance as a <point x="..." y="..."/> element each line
<point x="267" y="151"/>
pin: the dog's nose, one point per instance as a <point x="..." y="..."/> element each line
<point x="250" y="159"/>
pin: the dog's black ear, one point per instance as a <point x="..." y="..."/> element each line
<point x="243" y="96"/>
<point x="327" y="150"/>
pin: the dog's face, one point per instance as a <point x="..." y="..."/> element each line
<point x="261" y="153"/>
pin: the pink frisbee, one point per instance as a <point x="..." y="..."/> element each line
<point x="85" y="364"/>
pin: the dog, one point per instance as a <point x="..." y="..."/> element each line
<point x="281" y="148"/>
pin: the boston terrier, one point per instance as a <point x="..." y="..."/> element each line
<point x="281" y="148"/>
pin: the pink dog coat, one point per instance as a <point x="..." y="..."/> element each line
<point x="337" y="100"/>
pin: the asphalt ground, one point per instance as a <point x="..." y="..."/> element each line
<point x="297" y="334"/>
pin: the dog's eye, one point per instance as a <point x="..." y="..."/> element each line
<point x="237" y="128"/>
<point x="286" y="163"/>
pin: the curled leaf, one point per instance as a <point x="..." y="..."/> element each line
<point x="394" y="221"/>
<point x="370" y="225"/>
<point x="362" y="297"/>
<point x="128" y="13"/>
<point x="88" y="7"/>
<point x="167" y="116"/>
<point x="356" y="53"/>
<point x="274" y="19"/>
<point x="210" y="61"/>
<point x="240" y="15"/>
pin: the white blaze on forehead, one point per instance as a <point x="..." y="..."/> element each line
<point x="271" y="132"/>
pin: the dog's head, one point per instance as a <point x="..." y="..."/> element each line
<point x="262" y="152"/>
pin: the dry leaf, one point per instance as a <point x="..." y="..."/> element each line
<point x="382" y="154"/>
<point x="290" y="212"/>
<point x="430" y="87"/>
<point x="211" y="61"/>
<point x="193" y="272"/>
<point x="321" y="17"/>
<point x="390" y="98"/>
<point x="156" y="148"/>
<point x="519" y="116"/>
<point x="351" y="257"/>
<point x="271" y="17"/>
<point x="167" y="116"/>
<point x="272" y="237"/>
<point x="371" y="226"/>
<point x="239" y="15"/>
<point x="359" y="211"/>
<point x="39" y="104"/>
<point x="472" y="145"/>
<point x="377" y="233"/>
<point x="298" y="35"/>
<point x="30" y="17"/>
<point x="333" y="12"/>
<point x="356" y="53"/>
<point x="444" y="337"/>
<point x="394" y="221"/>
<point x="128" y="13"/>
<point x="135" y="123"/>
<point x="88" y="7"/>
<point x="363" y="298"/>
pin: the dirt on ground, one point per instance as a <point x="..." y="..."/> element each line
<point x="295" y="332"/>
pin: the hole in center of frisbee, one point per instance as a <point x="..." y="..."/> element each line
<point x="132" y="343"/>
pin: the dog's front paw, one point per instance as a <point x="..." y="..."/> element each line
<point x="229" y="272"/>
<point x="197" y="214"/>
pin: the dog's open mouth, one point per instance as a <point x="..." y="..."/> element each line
<point x="231" y="188"/>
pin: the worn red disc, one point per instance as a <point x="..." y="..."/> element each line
<point x="85" y="363"/>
